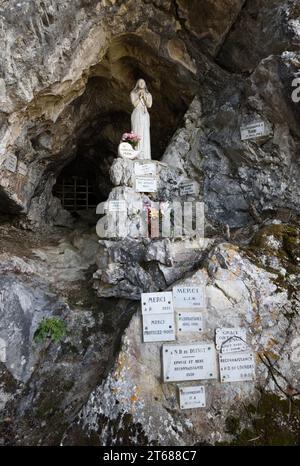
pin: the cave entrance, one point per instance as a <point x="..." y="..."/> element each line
<point x="102" y="113"/>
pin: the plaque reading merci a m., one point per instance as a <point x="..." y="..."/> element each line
<point x="237" y="367"/>
<point x="189" y="297"/>
<point x="196" y="361"/>
<point x="192" y="397"/>
<point x="157" y="303"/>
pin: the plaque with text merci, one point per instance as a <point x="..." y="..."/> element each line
<point x="189" y="321"/>
<point x="192" y="397"/>
<point x="157" y="303"/>
<point x="195" y="361"/>
<point x="158" y="327"/>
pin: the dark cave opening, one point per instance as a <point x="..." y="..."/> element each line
<point x="103" y="113"/>
<point x="81" y="128"/>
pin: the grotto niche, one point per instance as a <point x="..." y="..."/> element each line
<point x="102" y="114"/>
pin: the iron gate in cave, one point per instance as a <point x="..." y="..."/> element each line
<point x="75" y="193"/>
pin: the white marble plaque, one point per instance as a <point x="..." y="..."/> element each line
<point x="158" y="327"/>
<point x="187" y="188"/>
<point x="145" y="184"/>
<point x="252" y="131"/>
<point x="192" y="397"/>
<point x="196" y="361"/>
<point x="117" y="205"/>
<point x="237" y="367"/>
<point x="189" y="297"/>
<point x="11" y="163"/>
<point x="230" y="340"/>
<point x="141" y="169"/>
<point x="22" y="168"/>
<point x="157" y="303"/>
<point x="126" y="151"/>
<point x="189" y="321"/>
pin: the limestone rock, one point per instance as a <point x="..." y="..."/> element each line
<point x="133" y="389"/>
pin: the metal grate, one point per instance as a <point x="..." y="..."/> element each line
<point x="75" y="193"/>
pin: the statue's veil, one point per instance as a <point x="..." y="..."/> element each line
<point x="136" y="87"/>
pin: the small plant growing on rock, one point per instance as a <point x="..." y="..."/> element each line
<point x="53" y="328"/>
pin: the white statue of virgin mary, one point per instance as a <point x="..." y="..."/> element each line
<point x="141" y="99"/>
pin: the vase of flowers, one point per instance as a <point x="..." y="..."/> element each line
<point x="132" y="139"/>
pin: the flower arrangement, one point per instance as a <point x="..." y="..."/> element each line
<point x="132" y="138"/>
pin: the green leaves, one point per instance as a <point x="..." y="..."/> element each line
<point x="53" y="328"/>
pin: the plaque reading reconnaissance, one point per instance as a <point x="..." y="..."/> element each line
<point x="196" y="361"/>
<point x="237" y="367"/>
<point x="192" y="397"/>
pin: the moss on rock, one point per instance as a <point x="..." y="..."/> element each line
<point x="273" y="422"/>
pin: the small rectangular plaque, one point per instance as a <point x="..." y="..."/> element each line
<point x="141" y="169"/>
<point x="11" y="163"/>
<point x="187" y="188"/>
<point x="189" y="297"/>
<point x="189" y="321"/>
<point x="22" y="168"/>
<point x="158" y="327"/>
<point x="237" y="367"/>
<point x="230" y="340"/>
<point x="192" y="397"/>
<point x="145" y="185"/>
<point x="196" y="361"/>
<point x="157" y="303"/>
<point x="252" y="131"/>
<point x="117" y="205"/>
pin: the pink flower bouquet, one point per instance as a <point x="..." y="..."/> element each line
<point x="132" y="138"/>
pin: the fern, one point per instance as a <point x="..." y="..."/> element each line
<point x="53" y="328"/>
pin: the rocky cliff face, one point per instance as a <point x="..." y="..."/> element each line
<point x="66" y="71"/>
